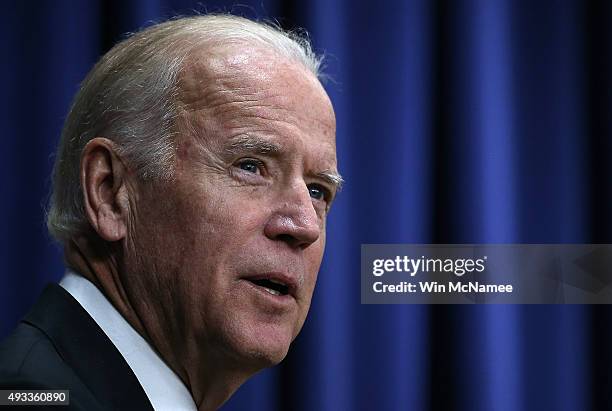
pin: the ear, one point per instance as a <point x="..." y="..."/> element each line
<point x="105" y="192"/>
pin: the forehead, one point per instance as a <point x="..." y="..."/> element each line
<point x="229" y="91"/>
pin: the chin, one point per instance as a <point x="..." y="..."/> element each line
<point x="262" y="347"/>
<point x="267" y="358"/>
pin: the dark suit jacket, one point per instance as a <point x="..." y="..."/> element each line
<point x="59" y="346"/>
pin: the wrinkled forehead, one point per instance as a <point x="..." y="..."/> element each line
<point x="211" y="68"/>
<point x="244" y="63"/>
<point x="215" y="76"/>
<point x="232" y="83"/>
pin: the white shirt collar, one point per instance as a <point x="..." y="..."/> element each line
<point x="163" y="387"/>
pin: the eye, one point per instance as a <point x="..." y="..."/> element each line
<point x="250" y="166"/>
<point x="318" y="192"/>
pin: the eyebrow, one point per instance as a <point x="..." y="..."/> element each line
<point x="247" y="143"/>
<point x="331" y="177"/>
<point x="253" y="144"/>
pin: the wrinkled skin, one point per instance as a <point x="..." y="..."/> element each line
<point x="248" y="198"/>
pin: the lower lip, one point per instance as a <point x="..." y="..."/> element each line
<point x="281" y="300"/>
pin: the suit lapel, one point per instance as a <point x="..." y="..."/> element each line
<point x="87" y="350"/>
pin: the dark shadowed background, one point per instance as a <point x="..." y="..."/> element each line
<point x="458" y="122"/>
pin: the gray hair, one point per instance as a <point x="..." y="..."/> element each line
<point x="130" y="97"/>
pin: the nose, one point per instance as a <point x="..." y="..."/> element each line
<point x="294" y="220"/>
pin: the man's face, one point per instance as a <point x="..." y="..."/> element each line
<point x="225" y="257"/>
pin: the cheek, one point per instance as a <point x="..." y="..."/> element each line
<point x="206" y="212"/>
<point x="216" y="229"/>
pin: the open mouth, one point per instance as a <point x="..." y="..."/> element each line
<point x="272" y="286"/>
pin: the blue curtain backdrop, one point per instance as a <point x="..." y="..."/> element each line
<point x="458" y="122"/>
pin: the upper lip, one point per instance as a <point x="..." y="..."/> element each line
<point x="285" y="279"/>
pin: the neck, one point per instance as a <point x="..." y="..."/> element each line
<point x="209" y="377"/>
<point x="96" y="261"/>
<point x="211" y="390"/>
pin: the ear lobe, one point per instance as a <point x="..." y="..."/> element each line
<point x="104" y="189"/>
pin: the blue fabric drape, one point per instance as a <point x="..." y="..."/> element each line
<point x="458" y="122"/>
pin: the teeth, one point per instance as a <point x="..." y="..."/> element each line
<point x="271" y="291"/>
<point x="276" y="282"/>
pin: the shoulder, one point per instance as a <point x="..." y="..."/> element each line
<point x="29" y="361"/>
<point x="27" y="352"/>
<point x="58" y="345"/>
